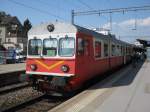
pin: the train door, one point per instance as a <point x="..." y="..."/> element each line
<point x="83" y="55"/>
<point x="122" y="53"/>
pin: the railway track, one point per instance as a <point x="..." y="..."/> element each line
<point x="13" y="87"/>
<point x="29" y="100"/>
<point x="26" y="99"/>
<point x="42" y="103"/>
<point x="10" y="78"/>
<point x="17" y="97"/>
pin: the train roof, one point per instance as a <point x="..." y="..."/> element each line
<point x="59" y="27"/>
<point x="62" y="27"/>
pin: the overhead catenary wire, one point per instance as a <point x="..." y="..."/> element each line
<point x="85" y="4"/>
<point x="48" y="4"/>
<point x="109" y="11"/>
<point x="132" y="36"/>
<point x="36" y="9"/>
<point x="115" y="10"/>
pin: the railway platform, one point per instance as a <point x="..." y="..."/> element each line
<point x="12" y="73"/>
<point x="9" y="68"/>
<point x="127" y="90"/>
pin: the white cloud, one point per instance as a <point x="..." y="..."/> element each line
<point x="127" y="23"/>
<point x="139" y="22"/>
<point x="107" y="25"/>
<point x="131" y="22"/>
<point x="144" y="22"/>
<point x="124" y="29"/>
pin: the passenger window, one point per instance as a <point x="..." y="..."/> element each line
<point x="86" y="47"/>
<point x="80" y="49"/>
<point x="126" y="51"/>
<point x="97" y="49"/>
<point x="113" y="50"/>
<point x="105" y="50"/>
<point x="121" y="50"/>
<point x="118" y="50"/>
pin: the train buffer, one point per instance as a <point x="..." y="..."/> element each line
<point x="127" y="90"/>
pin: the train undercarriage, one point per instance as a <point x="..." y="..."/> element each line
<point x="53" y="85"/>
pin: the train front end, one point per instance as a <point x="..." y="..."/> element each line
<point x="50" y="63"/>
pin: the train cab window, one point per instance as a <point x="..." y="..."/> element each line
<point x="113" y="50"/>
<point x="97" y="49"/>
<point x="34" y="47"/>
<point x="50" y="47"/>
<point x="66" y="46"/>
<point x="105" y="50"/>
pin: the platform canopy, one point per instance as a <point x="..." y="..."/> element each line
<point x="145" y="42"/>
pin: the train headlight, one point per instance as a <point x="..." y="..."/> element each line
<point x="33" y="67"/>
<point x="65" y="68"/>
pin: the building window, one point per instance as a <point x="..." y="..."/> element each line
<point x="105" y="50"/>
<point x="97" y="49"/>
<point x="9" y="40"/>
<point x="0" y="32"/>
<point x="14" y="27"/>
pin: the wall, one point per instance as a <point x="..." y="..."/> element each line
<point x="2" y="34"/>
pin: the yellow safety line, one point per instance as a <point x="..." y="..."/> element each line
<point x="49" y="67"/>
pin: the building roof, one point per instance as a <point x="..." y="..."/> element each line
<point x="7" y="19"/>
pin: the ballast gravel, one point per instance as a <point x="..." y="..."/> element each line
<point x="17" y="97"/>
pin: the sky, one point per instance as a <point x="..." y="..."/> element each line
<point x="40" y="11"/>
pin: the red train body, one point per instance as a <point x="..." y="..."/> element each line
<point x="62" y="57"/>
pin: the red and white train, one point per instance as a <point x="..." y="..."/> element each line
<point x="62" y="57"/>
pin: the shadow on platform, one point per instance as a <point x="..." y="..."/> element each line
<point x="124" y="80"/>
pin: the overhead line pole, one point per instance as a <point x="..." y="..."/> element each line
<point x="110" y="21"/>
<point x="72" y="16"/>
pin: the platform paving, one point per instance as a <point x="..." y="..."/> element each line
<point x="8" y="68"/>
<point x="127" y="90"/>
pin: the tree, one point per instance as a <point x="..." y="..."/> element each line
<point x="26" y="26"/>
